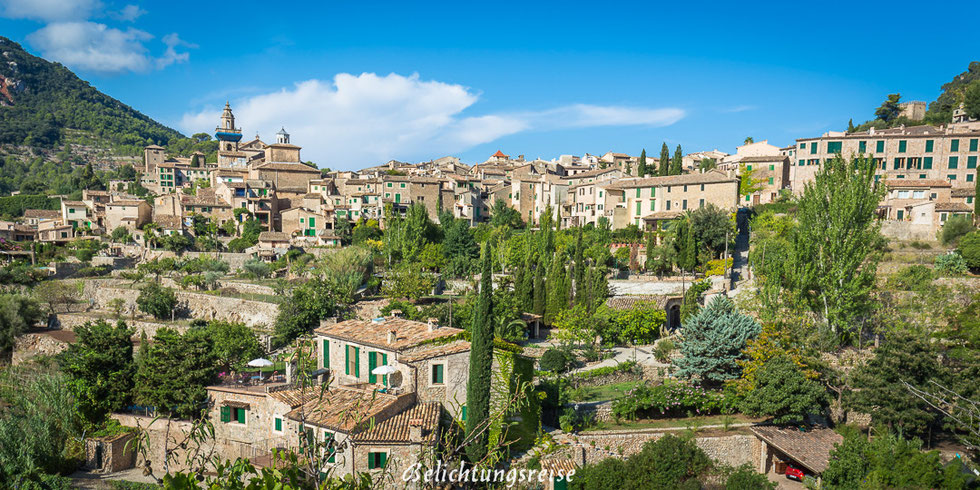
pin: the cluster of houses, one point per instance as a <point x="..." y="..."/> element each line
<point x="930" y="172"/>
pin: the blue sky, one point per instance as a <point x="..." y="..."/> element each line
<point x="358" y="83"/>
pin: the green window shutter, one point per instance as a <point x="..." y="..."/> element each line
<point x="862" y="146"/>
<point x="926" y="163"/>
<point x="902" y="145"/>
<point x="437" y="373"/>
<point x="802" y="146"/>
<point x="372" y="363"/>
<point x="464" y="413"/>
<point x="880" y="146"/>
<point x="653" y="203"/>
<point x="653" y="192"/>
<point x="371" y="465"/>
<point x="897" y="164"/>
<point x="638" y="204"/>
<point x="929" y="145"/>
<point x="954" y="145"/>
<point x="241" y="415"/>
<point x="326" y="354"/>
<point x="971" y="161"/>
<point x="278" y="424"/>
<point x="813" y="148"/>
<point x="312" y="222"/>
<point x="973" y="144"/>
<point x="748" y="167"/>
<point x="834" y="147"/>
<point x="637" y="192"/>
<point x="770" y="180"/>
<point x="226" y="414"/>
<point x="347" y="360"/>
<point x="384" y="362"/>
<point x="384" y="459"/>
<point x="953" y="162"/>
<point x="357" y="362"/>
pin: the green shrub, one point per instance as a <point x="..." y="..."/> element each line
<point x="969" y="249"/>
<point x="911" y="278"/>
<point x="951" y="264"/>
<point x="954" y="228"/>
<point x="672" y="398"/>
<point x="555" y="360"/>
<point x="157" y="301"/>
<point x="920" y="245"/>
<point x="606" y="370"/>
<point x="663" y="350"/>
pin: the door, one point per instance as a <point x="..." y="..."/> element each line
<point x="372" y="363"/>
<point x="755" y="200"/>
<point x="901" y="215"/>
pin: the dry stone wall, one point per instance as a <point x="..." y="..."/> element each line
<point x="592" y="447"/>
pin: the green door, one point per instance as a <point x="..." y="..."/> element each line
<point x="398" y="198"/>
<point x="559" y="484"/>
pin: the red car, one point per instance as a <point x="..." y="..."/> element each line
<point x="794" y="473"/>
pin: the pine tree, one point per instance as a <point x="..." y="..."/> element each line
<point x="641" y="167"/>
<point x="676" y="163"/>
<point x="664" y="160"/>
<point x="713" y="342"/>
<point x="540" y="294"/>
<point x="481" y="364"/>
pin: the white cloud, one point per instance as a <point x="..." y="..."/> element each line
<point x="358" y="120"/>
<point x="739" y="108"/>
<point x="171" y="56"/>
<point x="99" y="48"/>
<point x="129" y="13"/>
<point x="50" y="10"/>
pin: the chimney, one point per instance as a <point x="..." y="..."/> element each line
<point x="415" y="430"/>
<point x="392" y="336"/>
<point x="396" y="313"/>
<point x="433" y="324"/>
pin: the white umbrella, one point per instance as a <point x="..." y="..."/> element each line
<point x="384" y="370"/>
<point x="260" y="363"/>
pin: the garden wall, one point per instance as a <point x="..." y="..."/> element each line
<point x="733" y="450"/>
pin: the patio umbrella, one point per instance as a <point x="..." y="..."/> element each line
<point x="260" y="363"/>
<point x="384" y="370"/>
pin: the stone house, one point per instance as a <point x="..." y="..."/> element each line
<point x="131" y="214"/>
<point x="771" y="173"/>
<point x="647" y="201"/>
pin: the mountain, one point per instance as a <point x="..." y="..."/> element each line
<point x="941" y="110"/>
<point x="40" y="100"/>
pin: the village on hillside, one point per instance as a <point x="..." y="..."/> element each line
<point x="567" y="316"/>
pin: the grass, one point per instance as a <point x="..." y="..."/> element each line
<point x="681" y="423"/>
<point x="601" y="393"/>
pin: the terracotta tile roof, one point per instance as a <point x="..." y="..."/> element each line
<point x="369" y="332"/>
<point x="767" y="158"/>
<point x="663" y="215"/>
<point x="289" y="167"/>
<point x="398" y="428"/>
<point x="683" y="179"/>
<point x="917" y="183"/>
<point x="296" y="397"/>
<point x="565" y="466"/>
<point x="342" y="408"/>
<point x="811" y="449"/>
<point x="273" y="236"/>
<point x="631" y="302"/>
<point x="126" y="202"/>
<point x="169" y="222"/>
<point x="73" y="203"/>
<point x="593" y="173"/>
<point x="442" y="350"/>
<point x="500" y="154"/>
<point x="959" y="192"/>
<point x="42" y="213"/>
<point x="956" y="207"/>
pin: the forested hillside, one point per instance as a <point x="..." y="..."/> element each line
<point x="40" y="99"/>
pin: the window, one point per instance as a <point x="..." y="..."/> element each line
<point x="373" y="361"/>
<point x="747" y="167"/>
<point x="969" y="177"/>
<point x="880" y="146"/>
<point x="233" y="414"/>
<point x="802" y="146"/>
<point x="684" y="204"/>
<point x="668" y="205"/>
<point x="813" y="147"/>
<point x="971" y="161"/>
<point x="376" y="460"/>
<point x="926" y="163"/>
<point x="352" y="364"/>
<point x="899" y="163"/>
<point x="951" y="177"/>
<point x="801" y="163"/>
<point x="929" y="146"/>
<point x="463" y="414"/>
<point x="771" y="168"/>
<point x="701" y="203"/>
<point x="278" y="424"/>
<point x="403" y="185"/>
<point x="638" y="204"/>
<point x="637" y="192"/>
<point x="973" y="144"/>
<point x="903" y="194"/>
<point x="770" y="180"/>
<point x="954" y="145"/>
<point x="438" y="374"/>
<point x="71" y="211"/>
<point x="685" y="188"/>
<point x="328" y="443"/>
<point x="902" y="146"/>
<point x="919" y="194"/>
<point x="862" y="146"/>
<point x="922" y="176"/>
<point x="942" y="217"/>
<point x="901" y="214"/>
<point x="326" y="354"/>
<point x="833" y="147"/>
<point x="953" y="162"/>
<point x="653" y="204"/>
<point x="702" y="187"/>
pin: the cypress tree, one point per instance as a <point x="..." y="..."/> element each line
<point x="540" y="295"/>
<point x="976" y="199"/>
<point x="641" y="167"/>
<point x="526" y="292"/>
<point x="556" y="290"/>
<point x="664" y="160"/>
<point x="676" y="164"/>
<point x="580" y="286"/>
<point x="481" y="363"/>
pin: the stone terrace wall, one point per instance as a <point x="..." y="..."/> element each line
<point x="161" y="433"/>
<point x="68" y="321"/>
<point x="201" y="306"/>
<point x="734" y="450"/>
<point x="235" y="260"/>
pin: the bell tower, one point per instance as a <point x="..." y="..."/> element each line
<point x="282" y="137"/>
<point x="227" y="133"/>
